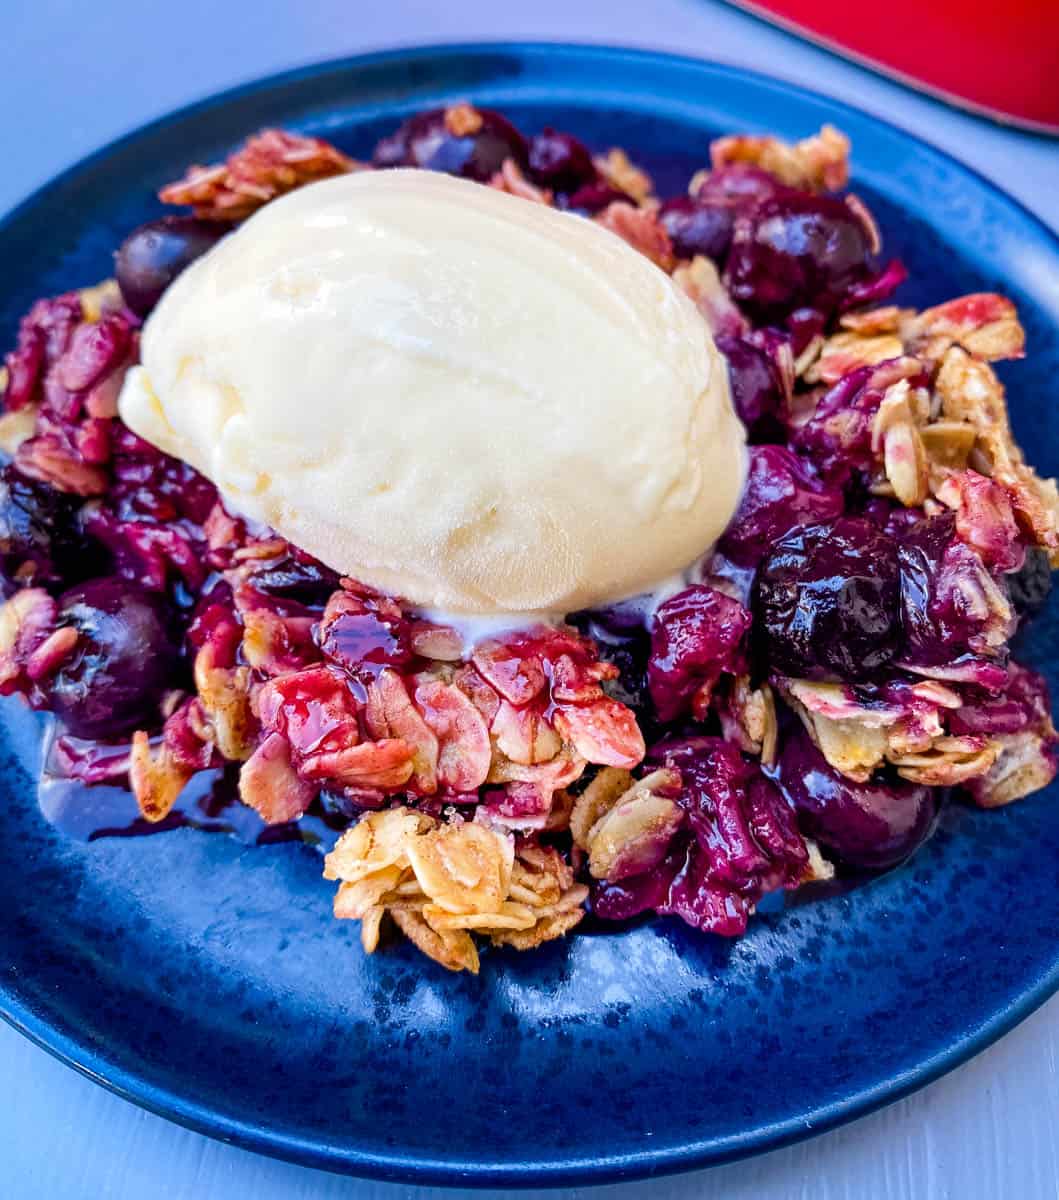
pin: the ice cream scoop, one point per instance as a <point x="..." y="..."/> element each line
<point x="455" y="395"/>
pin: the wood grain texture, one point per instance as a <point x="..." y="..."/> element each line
<point x="70" y="82"/>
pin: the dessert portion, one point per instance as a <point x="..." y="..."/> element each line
<point x="414" y="624"/>
<point x="425" y="321"/>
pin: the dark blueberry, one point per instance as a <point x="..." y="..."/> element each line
<point x="425" y="141"/>
<point x="697" y="228"/>
<point x="757" y="391"/>
<point x="1030" y="586"/>
<point x="125" y="659"/>
<point x="560" y="162"/>
<point x="920" y="554"/>
<point x="873" y="825"/>
<point x="877" y="287"/>
<point x="803" y="325"/>
<point x="305" y="582"/>
<point x="740" y="186"/>
<point x="338" y="809"/>
<point x="939" y="572"/>
<point x="592" y="198"/>
<point x="621" y="637"/>
<point x="152" y="256"/>
<point x="630" y="688"/>
<point x="781" y="492"/>
<point x="41" y="542"/>
<point x="366" y="642"/>
<point x="696" y="634"/>
<point x="796" y="250"/>
<point x="827" y="601"/>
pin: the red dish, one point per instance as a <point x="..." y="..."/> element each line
<point x="1003" y="60"/>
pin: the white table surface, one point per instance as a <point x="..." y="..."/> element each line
<point x="74" y="74"/>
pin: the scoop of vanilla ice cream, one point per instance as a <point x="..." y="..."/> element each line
<point x="452" y="394"/>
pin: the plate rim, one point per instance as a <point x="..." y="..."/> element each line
<point x="396" y="1166"/>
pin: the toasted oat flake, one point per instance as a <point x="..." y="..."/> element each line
<point x="1022" y="766"/>
<point x="702" y="283"/>
<point x="156" y="780"/>
<point x="851" y="747"/>
<point x="97" y="301"/>
<point x="463" y="868"/>
<point x="16" y="427"/>
<point x="269" y="784"/>
<point x="378" y="840"/>
<point x="904" y="456"/>
<point x="617" y="169"/>
<point x="948" y="444"/>
<point x="27" y="620"/>
<point x="748" y="717"/>
<point x="225" y="696"/>
<point x="269" y="164"/>
<point x="605" y="790"/>
<point x="817" y="163"/>
<point x="641" y="228"/>
<point x="512" y="179"/>
<point x="439" y="881"/>
<point x="984" y="325"/>
<point x="846" y="351"/>
<point x="634" y="835"/>
<point x="462" y="120"/>
<point x="950" y="761"/>
<point x="454" y="949"/>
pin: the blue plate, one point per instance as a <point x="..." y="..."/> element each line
<point x="207" y="981"/>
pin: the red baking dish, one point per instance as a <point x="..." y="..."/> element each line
<point x="1001" y="59"/>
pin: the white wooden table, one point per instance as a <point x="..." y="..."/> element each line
<point x="74" y="75"/>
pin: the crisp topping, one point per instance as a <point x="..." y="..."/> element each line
<point x="817" y="163"/>
<point x="441" y="881"/>
<point x="266" y="166"/>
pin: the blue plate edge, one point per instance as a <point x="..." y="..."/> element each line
<point x="612" y="1168"/>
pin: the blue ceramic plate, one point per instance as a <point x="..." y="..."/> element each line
<point x="207" y="981"/>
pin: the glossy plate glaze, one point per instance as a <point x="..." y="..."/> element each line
<point x="207" y="981"/>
